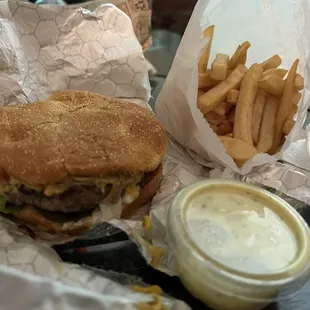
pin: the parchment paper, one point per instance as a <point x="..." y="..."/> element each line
<point x="138" y="11"/>
<point x="272" y="27"/>
<point x="47" y="48"/>
<point x="35" y="273"/>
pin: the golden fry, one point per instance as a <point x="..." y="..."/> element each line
<point x="147" y="225"/>
<point x="268" y="124"/>
<point x="220" y="109"/>
<point x="219" y="67"/>
<point x="296" y="97"/>
<point x="299" y="82"/>
<point x="272" y="62"/>
<point x="155" y="289"/>
<point x="288" y="126"/>
<point x="238" y="149"/>
<point x="229" y="135"/>
<point x="240" y="162"/>
<point x="272" y="84"/>
<point x="258" y="109"/>
<point x="231" y="115"/>
<point x="280" y="72"/>
<point x="285" y="106"/>
<point x="204" y="59"/>
<point x="218" y="93"/>
<point x="232" y="96"/>
<point x="244" y="108"/>
<point x="293" y="111"/>
<point x="205" y="81"/>
<point x="240" y="56"/>
<point x="223" y="129"/>
<point x="223" y="108"/>
<point x="200" y="93"/>
<point x="213" y="118"/>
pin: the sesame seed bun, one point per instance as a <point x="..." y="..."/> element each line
<point x="77" y="133"/>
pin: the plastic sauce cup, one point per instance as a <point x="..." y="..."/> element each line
<point x="237" y="246"/>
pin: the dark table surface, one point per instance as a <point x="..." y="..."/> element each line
<point x="108" y="248"/>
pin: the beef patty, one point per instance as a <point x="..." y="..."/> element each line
<point x="76" y="199"/>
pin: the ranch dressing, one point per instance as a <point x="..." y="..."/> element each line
<point x="237" y="246"/>
<point x="238" y="230"/>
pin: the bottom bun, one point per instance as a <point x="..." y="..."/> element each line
<point x="32" y="222"/>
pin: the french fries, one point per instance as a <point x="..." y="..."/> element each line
<point x="258" y="110"/>
<point x="285" y="106"/>
<point x="250" y="110"/>
<point x="240" y="56"/>
<point x="296" y="97"/>
<point x="214" y="118"/>
<point x="289" y="123"/>
<point x="199" y="94"/>
<point x="217" y="94"/>
<point x="280" y="72"/>
<point x="205" y="81"/>
<point x="266" y="132"/>
<point x="244" y="108"/>
<point x="232" y="96"/>
<point x="231" y="115"/>
<point x="238" y="149"/>
<point x="288" y="126"/>
<point x="293" y="111"/>
<point x="299" y="82"/>
<point x="272" y="84"/>
<point x="223" y="129"/>
<point x="272" y="62"/>
<point x="223" y="108"/>
<point x="219" y="67"/>
<point x="204" y="59"/>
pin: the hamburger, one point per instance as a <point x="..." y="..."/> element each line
<point x="65" y="159"/>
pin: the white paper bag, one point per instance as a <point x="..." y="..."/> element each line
<point x="272" y="26"/>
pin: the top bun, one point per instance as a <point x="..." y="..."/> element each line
<point x="78" y="133"/>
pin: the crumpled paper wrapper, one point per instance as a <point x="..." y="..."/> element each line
<point x="50" y="48"/>
<point x="139" y="13"/>
<point x="35" y="272"/>
<point x="272" y="27"/>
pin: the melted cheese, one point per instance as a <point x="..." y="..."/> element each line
<point x="131" y="193"/>
<point x="55" y="189"/>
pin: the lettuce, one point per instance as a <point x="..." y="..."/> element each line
<point x="8" y="208"/>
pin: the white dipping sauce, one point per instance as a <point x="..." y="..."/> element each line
<point x="236" y="229"/>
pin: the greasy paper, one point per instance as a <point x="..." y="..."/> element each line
<point x="272" y="27"/>
<point x="38" y="276"/>
<point x="50" y="48"/>
<point x="138" y="11"/>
